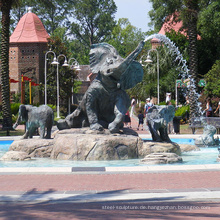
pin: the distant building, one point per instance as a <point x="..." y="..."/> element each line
<point x="171" y="23"/>
<point x="28" y="44"/>
<point x="27" y="48"/>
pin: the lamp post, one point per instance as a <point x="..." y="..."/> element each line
<point x="45" y="72"/>
<point x="148" y="60"/>
<point x="75" y="66"/>
<point x="58" y="87"/>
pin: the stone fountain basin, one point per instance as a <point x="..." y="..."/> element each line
<point x="86" y="145"/>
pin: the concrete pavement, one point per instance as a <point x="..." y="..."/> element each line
<point x="148" y="192"/>
<point x="161" y="194"/>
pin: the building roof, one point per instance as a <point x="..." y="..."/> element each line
<point x="29" y="30"/>
<point x="173" y="23"/>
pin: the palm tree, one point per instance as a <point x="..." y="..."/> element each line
<point x="6" y="6"/>
<point x="188" y="11"/>
<point x="190" y="14"/>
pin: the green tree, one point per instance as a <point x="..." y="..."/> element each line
<point x="169" y="71"/>
<point x="188" y="11"/>
<point x="67" y="75"/>
<point x="212" y="79"/>
<point x="73" y="46"/>
<point x="93" y="20"/>
<point x="209" y="29"/>
<point x="125" y="37"/>
<point x="6" y="6"/>
<point x="53" y="13"/>
<point x="190" y="15"/>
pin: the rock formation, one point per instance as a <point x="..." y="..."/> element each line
<point x="85" y="145"/>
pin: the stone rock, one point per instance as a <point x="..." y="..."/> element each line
<point x="86" y="144"/>
<point x="15" y="155"/>
<point x="158" y="147"/>
<point x="161" y="158"/>
<point x="83" y="144"/>
<point x="188" y="147"/>
<point x="34" y="147"/>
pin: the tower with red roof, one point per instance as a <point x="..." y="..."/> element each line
<point x="28" y="44"/>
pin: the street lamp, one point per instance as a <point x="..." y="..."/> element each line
<point x="75" y="66"/>
<point x="45" y="73"/>
<point x="58" y="88"/>
<point x="148" y="60"/>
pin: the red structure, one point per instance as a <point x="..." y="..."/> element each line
<point x="171" y="23"/>
<point x="28" y="44"/>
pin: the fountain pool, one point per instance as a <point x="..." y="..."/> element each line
<point x="204" y="156"/>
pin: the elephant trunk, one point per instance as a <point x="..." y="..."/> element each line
<point x="17" y="122"/>
<point x="132" y="56"/>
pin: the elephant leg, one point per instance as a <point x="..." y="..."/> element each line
<point x="116" y="124"/>
<point x="71" y="121"/>
<point x="119" y="111"/>
<point x="48" y="135"/>
<point x="92" y="112"/>
<point x="31" y="131"/>
<point x="153" y="131"/>
<point x="164" y="134"/>
<point x="42" y="131"/>
<point x="26" y="134"/>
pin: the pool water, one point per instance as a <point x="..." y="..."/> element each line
<point x="177" y="140"/>
<point x="204" y="156"/>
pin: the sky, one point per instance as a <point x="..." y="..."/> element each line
<point x="136" y="11"/>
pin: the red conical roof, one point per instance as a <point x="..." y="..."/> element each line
<point x="173" y="24"/>
<point x="29" y="30"/>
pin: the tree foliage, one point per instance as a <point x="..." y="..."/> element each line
<point x="213" y="81"/>
<point x="125" y="37"/>
<point x="5" y="7"/>
<point x="67" y="75"/>
<point x="53" y="13"/>
<point x="169" y="71"/>
<point x="93" y="20"/>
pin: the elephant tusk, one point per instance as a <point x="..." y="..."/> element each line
<point x="15" y="125"/>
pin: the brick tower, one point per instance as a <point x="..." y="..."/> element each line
<point x="28" y="44"/>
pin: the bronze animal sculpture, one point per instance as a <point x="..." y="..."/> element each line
<point x="158" y="118"/>
<point x="105" y="103"/>
<point x="36" y="117"/>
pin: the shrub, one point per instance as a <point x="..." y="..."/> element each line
<point x="15" y="108"/>
<point x="182" y="111"/>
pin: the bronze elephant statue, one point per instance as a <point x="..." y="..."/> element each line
<point x="105" y="103"/>
<point x="158" y="118"/>
<point x="36" y="117"/>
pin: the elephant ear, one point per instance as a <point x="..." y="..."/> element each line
<point x="167" y="112"/>
<point x="132" y="76"/>
<point x="24" y="112"/>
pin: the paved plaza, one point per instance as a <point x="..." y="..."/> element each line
<point x="151" y="192"/>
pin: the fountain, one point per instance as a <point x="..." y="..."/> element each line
<point x="105" y="140"/>
<point x="207" y="139"/>
<point x="184" y="70"/>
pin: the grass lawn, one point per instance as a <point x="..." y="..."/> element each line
<point x="12" y="133"/>
<point x="184" y="129"/>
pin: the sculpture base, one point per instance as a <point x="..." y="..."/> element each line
<point x="84" y="144"/>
